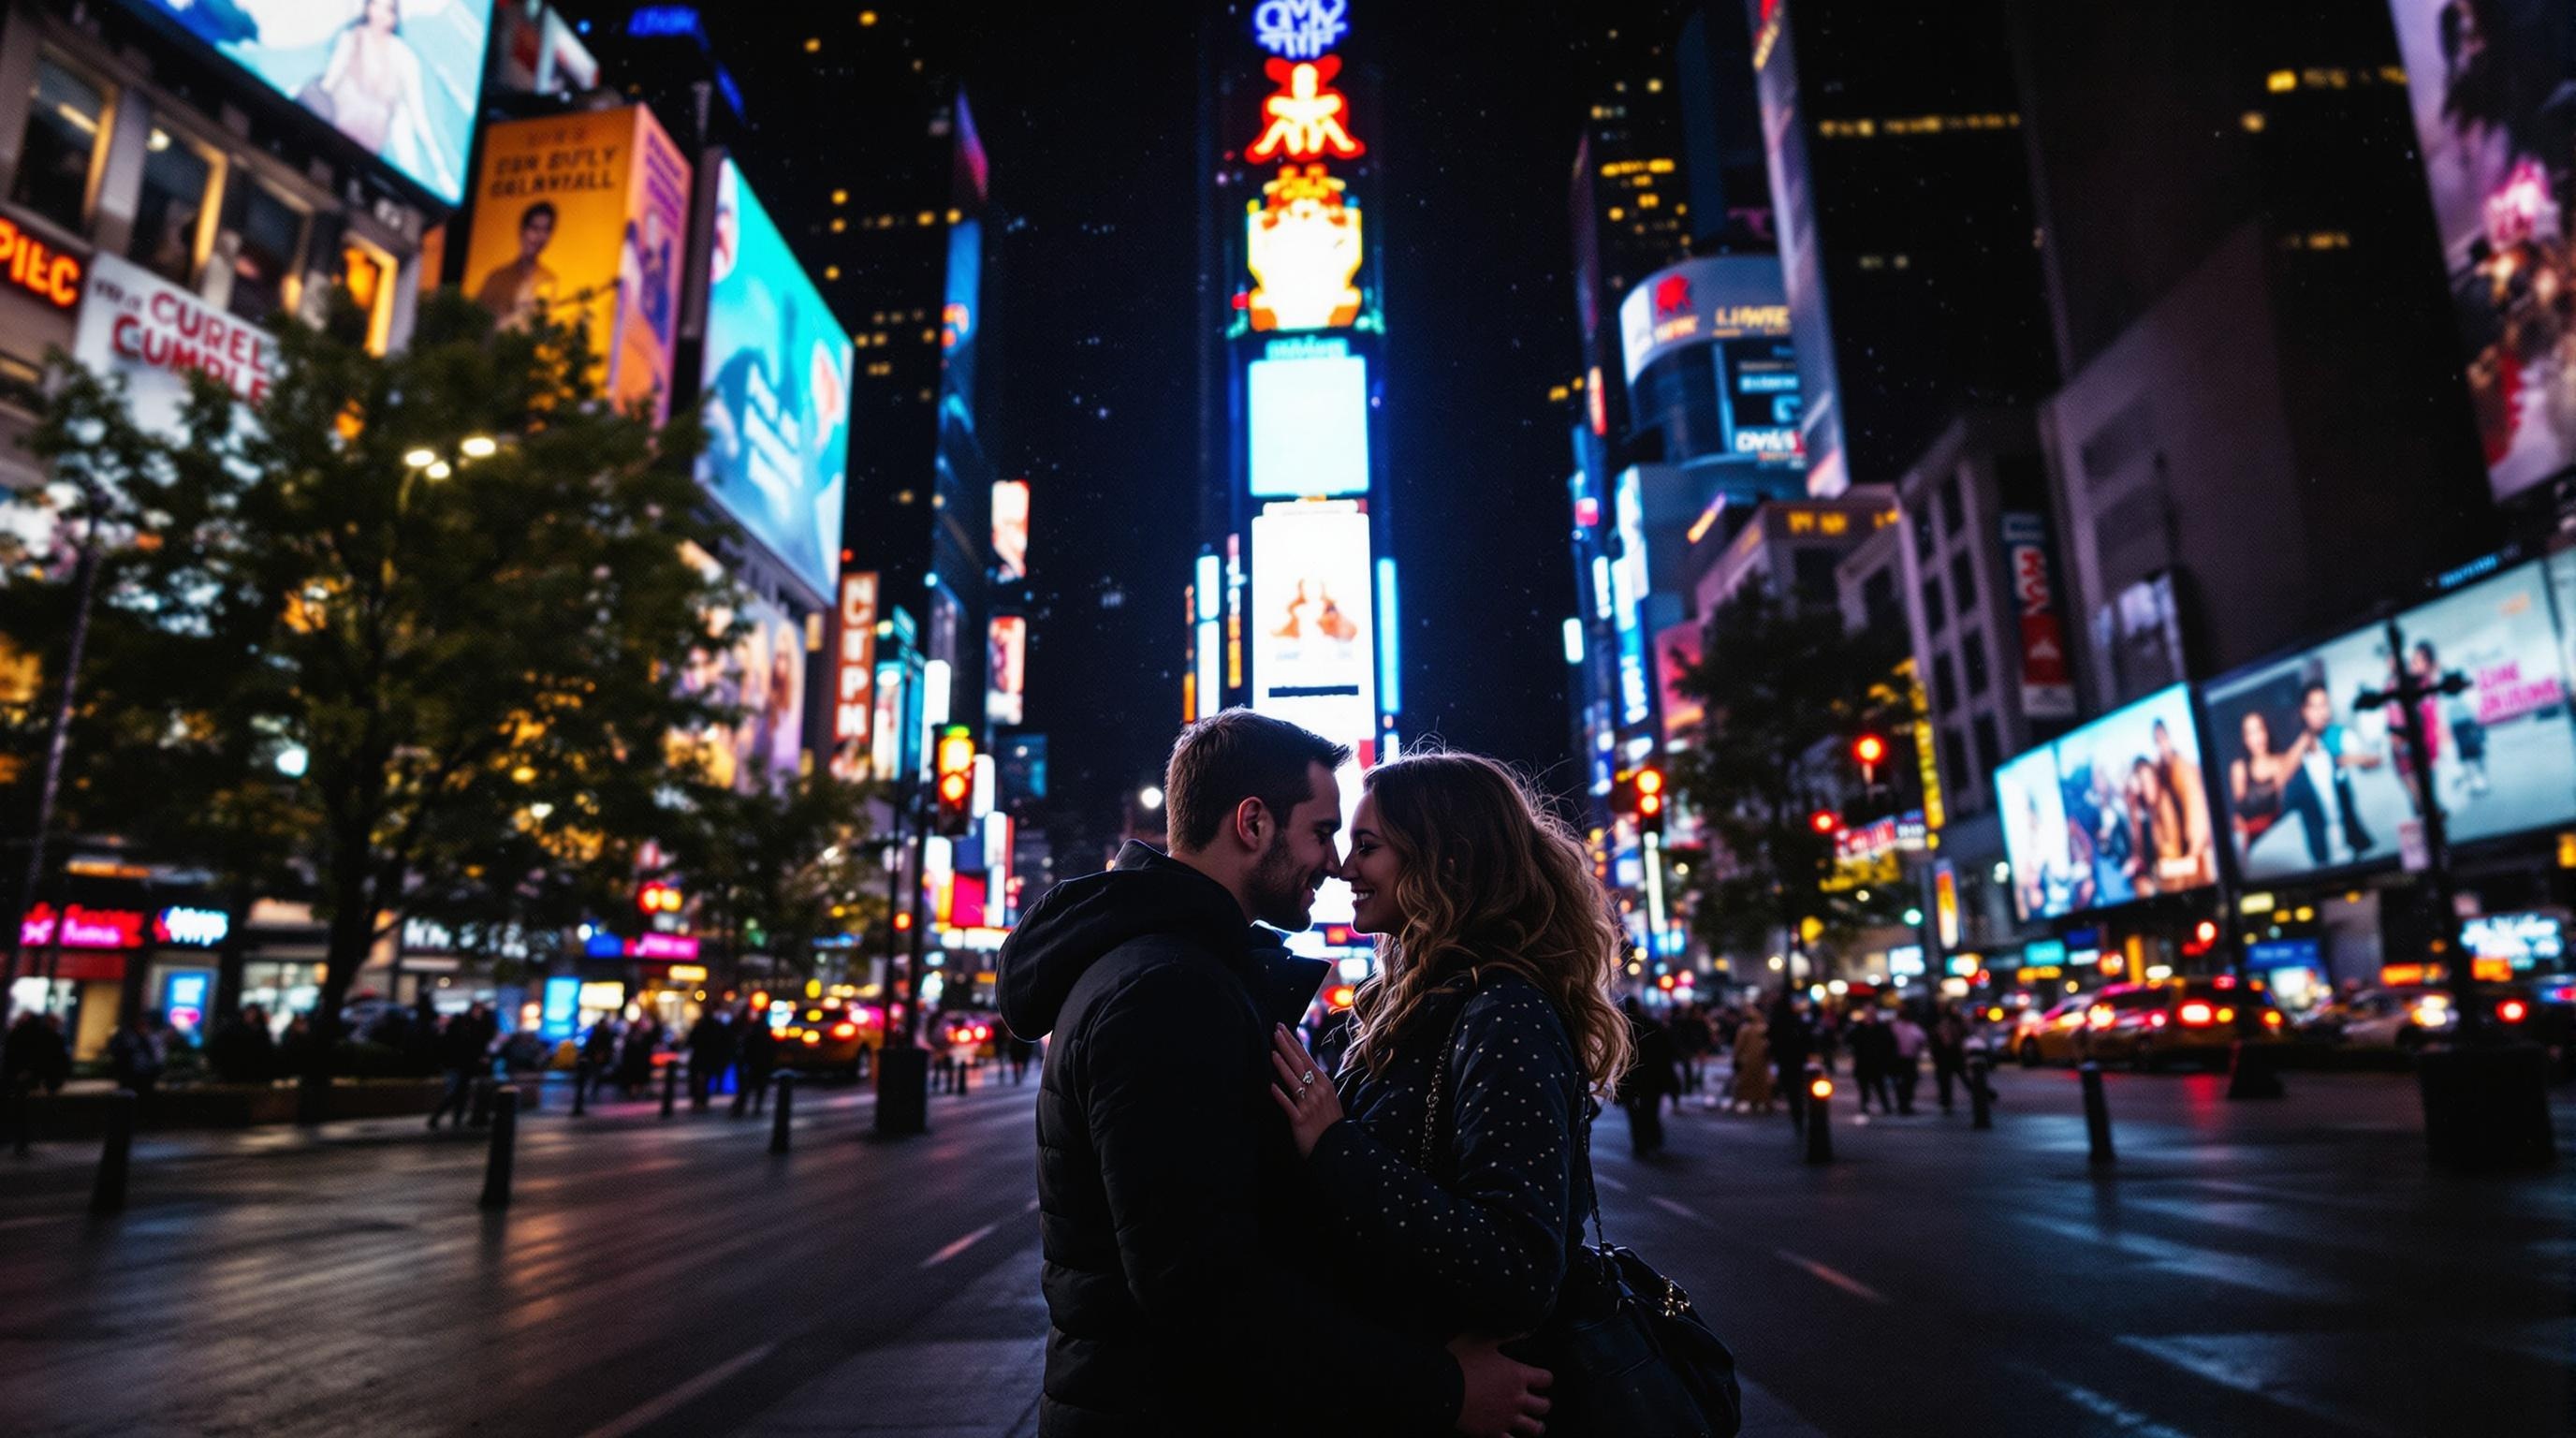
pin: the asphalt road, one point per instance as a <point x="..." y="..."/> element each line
<point x="2288" y="1268"/>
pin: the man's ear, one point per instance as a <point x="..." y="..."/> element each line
<point x="1252" y="824"/>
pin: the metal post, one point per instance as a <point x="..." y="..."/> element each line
<point x="505" y="1138"/>
<point x="1981" y="1102"/>
<point x="670" y="1086"/>
<point x="108" y="1194"/>
<point x="580" y="1087"/>
<point x="778" y="1131"/>
<point x="1820" y="1104"/>
<point x="22" y="1103"/>
<point x="84" y="581"/>
<point x="2097" y="1114"/>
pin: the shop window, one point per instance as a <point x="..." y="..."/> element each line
<point x="270" y="233"/>
<point x="178" y="185"/>
<point x="367" y="273"/>
<point x="66" y="125"/>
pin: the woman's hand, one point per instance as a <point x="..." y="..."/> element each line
<point x="1304" y="1090"/>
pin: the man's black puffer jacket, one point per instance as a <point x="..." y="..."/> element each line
<point x="1167" y="1182"/>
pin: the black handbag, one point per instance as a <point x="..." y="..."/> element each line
<point x="1630" y="1354"/>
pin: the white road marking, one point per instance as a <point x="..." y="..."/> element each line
<point x="1834" y="1276"/>
<point x="1032" y="1207"/>
<point x="1612" y="1184"/>
<point x="1679" y="1209"/>
<point x="958" y="1247"/>
<point x="2121" y="1416"/>
<point x="653" y="1411"/>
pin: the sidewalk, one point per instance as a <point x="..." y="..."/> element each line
<point x="972" y="1369"/>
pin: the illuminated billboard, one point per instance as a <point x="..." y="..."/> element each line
<point x="2313" y="780"/>
<point x="1006" y="665"/>
<point x="1011" y="527"/>
<point x="1702" y="301"/>
<point x="402" y="78"/>
<point x="136" y="326"/>
<point x="777" y="381"/>
<point x="1312" y="621"/>
<point x="587" y="215"/>
<point x="757" y="677"/>
<point x="2115" y="811"/>
<point x="1309" y="424"/>
<point x="2488" y="83"/>
<point x="1302" y="244"/>
<point x="853" y="698"/>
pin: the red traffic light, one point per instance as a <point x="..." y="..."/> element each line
<point x="1341" y="995"/>
<point x="1869" y="749"/>
<point x="902" y="921"/>
<point x="1825" y="821"/>
<point x="1650" y="782"/>
<point x="656" y="897"/>
<point x="953" y="787"/>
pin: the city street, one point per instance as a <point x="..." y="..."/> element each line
<point x="2281" y="1268"/>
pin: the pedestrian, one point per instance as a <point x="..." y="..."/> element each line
<point x="295" y="1046"/>
<point x="1177" y="1222"/>
<point x="1873" y="1054"/>
<point x="461" y="1052"/>
<point x="757" y="1058"/>
<point x="1910" y="1041"/>
<point x="1650" y="1076"/>
<point x="1023" y="1051"/>
<point x="635" y="1053"/>
<point x="1691" y="1040"/>
<point x="242" y="1051"/>
<point x="598" y="1057"/>
<point x="710" y="1054"/>
<point x="1949" y="1050"/>
<point x="136" y="1054"/>
<point x="1455" y="1191"/>
<point x="1752" y="1091"/>
<point x="1792" y="1044"/>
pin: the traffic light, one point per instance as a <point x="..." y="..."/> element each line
<point x="955" y="766"/>
<point x="656" y="897"/>
<point x="1869" y="751"/>
<point x="1649" y="786"/>
<point x="1825" y="821"/>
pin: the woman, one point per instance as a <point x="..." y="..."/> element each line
<point x="371" y="83"/>
<point x="1449" y="1153"/>
<point x="2257" y="780"/>
<point x="1753" y="1066"/>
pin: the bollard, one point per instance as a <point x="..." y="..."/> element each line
<point x="1820" y="1128"/>
<point x="1981" y="1100"/>
<point x="108" y="1195"/>
<point x="786" y="1101"/>
<point x="670" y="1086"/>
<point x="580" y="1088"/>
<point x="505" y="1138"/>
<point x="22" y="1103"/>
<point x="2097" y="1114"/>
<point x="965" y="1075"/>
<point x="481" y="1115"/>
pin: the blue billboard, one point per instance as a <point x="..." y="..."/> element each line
<point x="777" y="391"/>
<point x="402" y="78"/>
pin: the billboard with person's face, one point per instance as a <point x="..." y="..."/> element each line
<point x="777" y="390"/>
<point x="2052" y="869"/>
<point x="2113" y="812"/>
<point x="2313" y="779"/>
<point x="402" y="78"/>
<point x="585" y="216"/>
<point x="755" y="673"/>
<point x="2488" y="82"/>
<point x="1312" y="622"/>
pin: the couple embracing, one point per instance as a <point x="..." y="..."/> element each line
<point x="1238" y="1240"/>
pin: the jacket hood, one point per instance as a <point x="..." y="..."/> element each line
<point x="1079" y="920"/>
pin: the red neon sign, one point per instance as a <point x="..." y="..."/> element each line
<point x="1306" y="114"/>
<point x="40" y="269"/>
<point x="83" y="928"/>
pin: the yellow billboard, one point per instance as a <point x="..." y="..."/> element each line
<point x="588" y="211"/>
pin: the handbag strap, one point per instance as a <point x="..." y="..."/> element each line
<point x="1437" y="1110"/>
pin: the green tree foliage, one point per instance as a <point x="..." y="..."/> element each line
<point x="772" y="872"/>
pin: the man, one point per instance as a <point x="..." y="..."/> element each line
<point x="1873" y="1052"/>
<point x="2182" y="780"/>
<point x="1174" y="1242"/>
<point x="2327" y="756"/>
<point x="519" y="289"/>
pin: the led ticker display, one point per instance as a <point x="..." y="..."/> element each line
<point x="1302" y="244"/>
<point x="2488" y="82"/>
<point x="401" y="78"/>
<point x="777" y="383"/>
<point x="2115" y="811"/>
<point x="2315" y="780"/>
<point x="1309" y="425"/>
<point x="587" y="215"/>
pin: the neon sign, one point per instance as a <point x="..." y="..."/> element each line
<point x="1303" y="247"/>
<point x="1306" y="114"/>
<point x="83" y="928"/>
<point x="48" y="273"/>
<point x="1299" y="29"/>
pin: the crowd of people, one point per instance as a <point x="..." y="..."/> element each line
<point x="1766" y="1049"/>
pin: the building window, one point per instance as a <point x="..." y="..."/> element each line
<point x="1972" y="658"/>
<point x="1963" y="582"/>
<point x="1990" y="750"/>
<point x="1961" y="778"/>
<point x="1953" y="514"/>
<point x="1812" y="571"/>
<point x="1934" y="615"/>
<point x="178" y="183"/>
<point x="1878" y="601"/>
<point x="1925" y="546"/>
<point x="271" y="232"/>
<point x="367" y="273"/>
<point x="66" y="121"/>
<point x="1945" y="685"/>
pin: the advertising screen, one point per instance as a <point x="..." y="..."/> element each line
<point x="1312" y="656"/>
<point x="154" y="334"/>
<point x="2488" y="83"/>
<point x="402" y="78"/>
<point x="1006" y="670"/>
<point x="778" y="390"/>
<point x="853" y="702"/>
<point x="1309" y="425"/>
<point x="587" y="215"/>
<point x="2115" y="811"/>
<point x="2525" y="941"/>
<point x="1702" y="301"/>
<point x="760" y="677"/>
<point x="2313" y="780"/>
<point x="1761" y="401"/>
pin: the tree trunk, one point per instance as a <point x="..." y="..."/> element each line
<point x="352" y="933"/>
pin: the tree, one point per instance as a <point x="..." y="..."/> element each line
<point x="449" y="586"/>
<point x="774" y="871"/>
<point x="1786" y="690"/>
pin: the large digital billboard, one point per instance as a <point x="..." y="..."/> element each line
<point x="1702" y="301"/>
<point x="2489" y="81"/>
<point x="586" y="215"/>
<point x="1309" y="424"/>
<point x="777" y="383"/>
<point x="1006" y="664"/>
<point x="1312" y="622"/>
<point x="2314" y="780"/>
<point x="402" y="78"/>
<point x="758" y="676"/>
<point x="2113" y="812"/>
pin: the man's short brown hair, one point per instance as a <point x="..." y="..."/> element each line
<point x="1229" y="757"/>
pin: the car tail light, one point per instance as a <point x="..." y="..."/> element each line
<point x="1994" y="1016"/>
<point x="2560" y="994"/>
<point x="983" y="1032"/>
<point x="2271" y="1018"/>
<point x="2226" y="1015"/>
<point x="2197" y="1014"/>
<point x="2156" y="1020"/>
<point x="2099" y="1016"/>
<point x="2513" y="1011"/>
<point x="812" y="1038"/>
<point x="845" y="1030"/>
